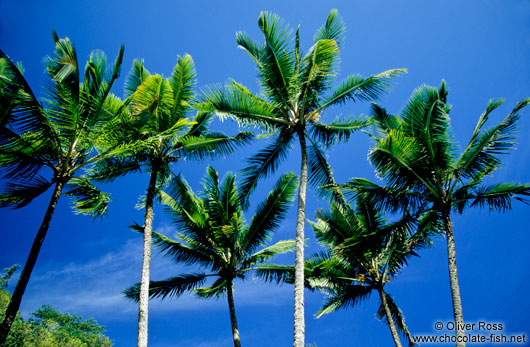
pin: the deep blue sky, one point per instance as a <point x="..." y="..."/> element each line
<point x="482" y="50"/>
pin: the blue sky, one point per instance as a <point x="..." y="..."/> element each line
<point x="482" y="50"/>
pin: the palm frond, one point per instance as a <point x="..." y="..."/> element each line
<point x="136" y="77"/>
<point x="356" y="87"/>
<point x="248" y="45"/>
<point x="276" y="59"/>
<point x="107" y="169"/>
<point x="217" y="289"/>
<point x="182" y="80"/>
<point x="235" y="102"/>
<point x="20" y="111"/>
<point x="270" y="212"/>
<point x="275" y="273"/>
<point x="401" y="160"/>
<point x="200" y="125"/>
<point x="344" y="298"/>
<point x="174" y="286"/>
<point x="152" y="103"/>
<point x="316" y="73"/>
<point x="21" y="192"/>
<point x="269" y="252"/>
<point x="385" y="197"/>
<point x="87" y="198"/>
<point x="185" y="207"/>
<point x="383" y="122"/>
<point x="339" y="130"/>
<point x="499" y="196"/>
<point x="426" y="119"/>
<point x="264" y="163"/>
<point x="212" y="145"/>
<point x="321" y="175"/>
<point x="481" y="155"/>
<point x="333" y="29"/>
<point x="179" y="252"/>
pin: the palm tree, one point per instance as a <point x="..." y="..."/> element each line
<point x="213" y="234"/>
<point x="416" y="155"/>
<point x="156" y="118"/>
<point x="296" y="92"/>
<point x="63" y="134"/>
<point x="363" y="253"/>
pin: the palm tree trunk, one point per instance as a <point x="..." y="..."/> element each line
<point x="143" y="308"/>
<point x="233" y="318"/>
<point x="22" y="283"/>
<point x="453" y="280"/>
<point x="299" y="321"/>
<point x="389" y="318"/>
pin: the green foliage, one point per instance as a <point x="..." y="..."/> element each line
<point x="212" y="233"/>
<point x="415" y="153"/>
<point x="296" y="89"/>
<point x="61" y="132"/>
<point x="51" y="328"/>
<point x="48" y="327"/>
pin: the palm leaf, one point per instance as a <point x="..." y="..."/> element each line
<point x="182" y="80"/>
<point x="264" y="163"/>
<point x="211" y="145"/>
<point x="136" y="77"/>
<point x="270" y="212"/>
<point x="499" y="196"/>
<point x="87" y="198"/>
<point x="275" y="273"/>
<point x="344" y="298"/>
<point x="481" y="155"/>
<point x="333" y="29"/>
<point x="21" y="192"/>
<point x="245" y="108"/>
<point x="277" y="61"/>
<point x="338" y="131"/>
<point x="356" y="87"/>
<point x="174" y="286"/>
<point x="268" y="253"/>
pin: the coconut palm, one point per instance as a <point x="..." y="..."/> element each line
<point x="296" y="91"/>
<point x="156" y="118"/>
<point x="213" y="234"/>
<point x="46" y="144"/>
<point x="363" y="253"/>
<point x="416" y="155"/>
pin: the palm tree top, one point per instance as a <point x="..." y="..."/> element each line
<point x="212" y="233"/>
<point x="63" y="133"/>
<point x="416" y="155"/>
<point x="294" y="84"/>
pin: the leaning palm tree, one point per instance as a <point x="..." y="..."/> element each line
<point x="363" y="253"/>
<point x="55" y="138"/>
<point x="296" y="93"/>
<point x="155" y="114"/>
<point x="416" y="155"/>
<point x="213" y="234"/>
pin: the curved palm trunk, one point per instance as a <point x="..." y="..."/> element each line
<point x="389" y="318"/>
<point x="143" y="308"/>
<point x="299" y="321"/>
<point x="233" y="318"/>
<point x="22" y="283"/>
<point x="453" y="280"/>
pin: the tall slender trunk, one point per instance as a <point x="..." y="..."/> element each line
<point x="389" y="318"/>
<point x="453" y="280"/>
<point x="22" y="283"/>
<point x="233" y="318"/>
<point x="143" y="308"/>
<point x="299" y="322"/>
